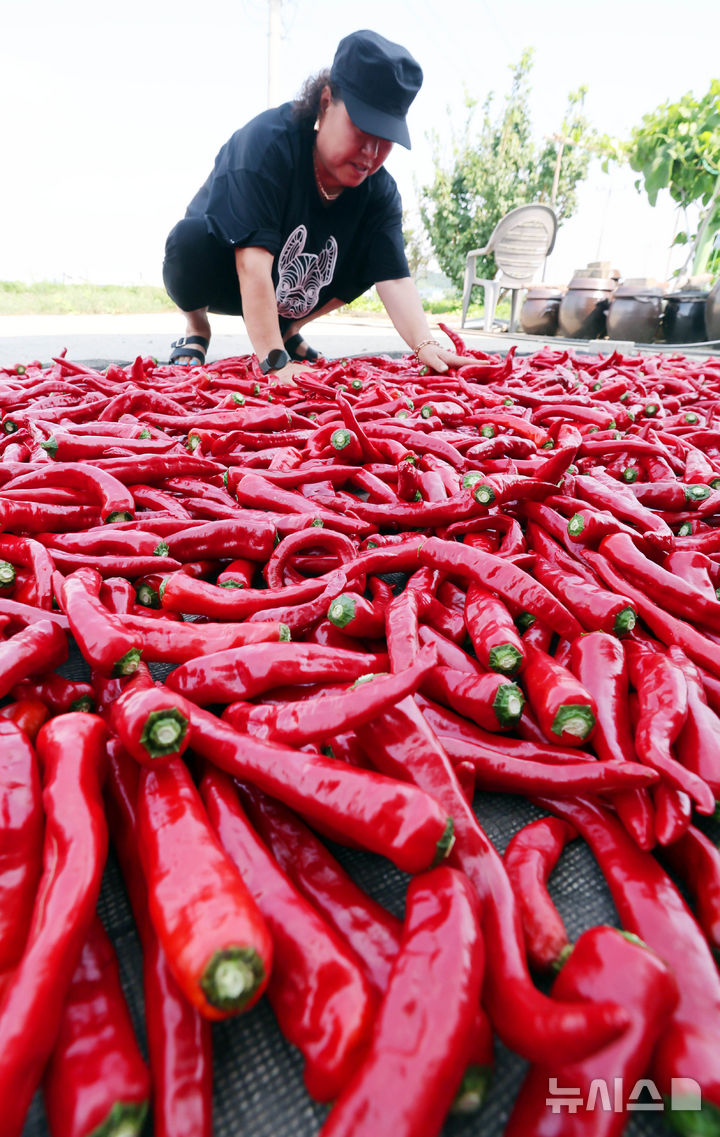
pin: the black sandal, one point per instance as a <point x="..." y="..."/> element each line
<point x="291" y="347"/>
<point x="182" y="351"/>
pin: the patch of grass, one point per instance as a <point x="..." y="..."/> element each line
<point x="46" y="298"/>
<point x="448" y="305"/>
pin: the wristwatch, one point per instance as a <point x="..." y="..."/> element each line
<point x="275" y="359"/>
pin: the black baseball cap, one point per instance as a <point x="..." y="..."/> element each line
<point x="378" y="80"/>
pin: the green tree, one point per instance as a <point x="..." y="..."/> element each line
<point x="677" y="147"/>
<point x="498" y="166"/>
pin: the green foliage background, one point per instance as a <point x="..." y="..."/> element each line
<point x="498" y="165"/>
<point x="677" y="147"/>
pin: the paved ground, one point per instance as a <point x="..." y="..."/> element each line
<point x="122" y="338"/>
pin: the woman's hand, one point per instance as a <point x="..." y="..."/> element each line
<point x="404" y="307"/>
<point x="285" y="377"/>
<point x="439" y="358"/>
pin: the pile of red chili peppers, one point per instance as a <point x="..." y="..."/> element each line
<point x="340" y="611"/>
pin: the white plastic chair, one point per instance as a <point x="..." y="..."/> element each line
<point x="520" y="242"/>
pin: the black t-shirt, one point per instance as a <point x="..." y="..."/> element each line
<point x="262" y="192"/>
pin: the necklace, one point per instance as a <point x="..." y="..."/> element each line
<point x="327" y="197"/>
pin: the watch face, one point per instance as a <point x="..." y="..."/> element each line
<point x="276" y="358"/>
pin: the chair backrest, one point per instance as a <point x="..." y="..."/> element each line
<point x="521" y="241"/>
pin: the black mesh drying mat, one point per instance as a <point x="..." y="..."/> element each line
<point x="258" y="1086"/>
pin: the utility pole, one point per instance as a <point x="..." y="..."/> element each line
<point x="274" y="33"/>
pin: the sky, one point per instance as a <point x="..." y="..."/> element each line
<point x="113" y="113"/>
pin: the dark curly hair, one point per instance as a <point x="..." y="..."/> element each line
<point x="307" y="104"/>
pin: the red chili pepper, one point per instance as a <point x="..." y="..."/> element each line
<point x="301" y="618"/>
<point x="450" y="654"/>
<point x="491" y="700"/>
<point x="370" y="930"/>
<point x="663" y="705"/>
<point x="244" y="672"/>
<point x="600" y="1090"/>
<point x="183" y="593"/>
<point x="258" y="493"/>
<point x="529" y="859"/>
<point x="322" y="718"/>
<point x="353" y="805"/>
<point x="276" y="569"/>
<point x="317" y="990"/>
<point x="104" y="642"/>
<point x="96" y="1075"/>
<point x="605" y="493"/>
<point x="536" y="634"/>
<point x="66" y="447"/>
<point x="402" y="629"/>
<point x="114" y="500"/>
<point x="502" y="577"/>
<point x="695" y="859"/>
<point x="28" y="714"/>
<point x="356" y="616"/>
<point x="238" y="574"/>
<point x="446" y="724"/>
<point x="70" y="750"/>
<point x="38" y="648"/>
<point x="170" y="641"/>
<point x="492" y="631"/>
<point x="673" y="813"/>
<point x="695" y="568"/>
<point x="21" y="844"/>
<point x="33" y="556"/>
<point x="447" y="620"/>
<point x="668" y="629"/>
<point x="401" y="743"/>
<point x="597" y="609"/>
<point x="104" y="539"/>
<point x="649" y="904"/>
<point x="698" y="744"/>
<point x="231" y="538"/>
<point x="156" y="467"/>
<point x="503" y="773"/>
<point x="679" y="598"/>
<point x="57" y="692"/>
<point x="589" y="526"/>
<point x="32" y="517"/>
<point x="441" y="937"/>
<point x="178" y="1037"/>
<point x="565" y="710"/>
<point x="215" y="939"/>
<point x="598" y="660"/>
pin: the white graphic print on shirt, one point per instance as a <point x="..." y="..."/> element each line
<point x="302" y="275"/>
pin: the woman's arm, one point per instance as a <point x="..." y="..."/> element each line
<point x="254" y="269"/>
<point x="404" y="307"/>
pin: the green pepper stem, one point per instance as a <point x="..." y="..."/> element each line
<point x="472" y="1090"/>
<point x="576" y="719"/>
<point x="164" y="732"/>
<point x="508" y="704"/>
<point x="505" y="658"/>
<point x="125" y="1119"/>
<point x="625" y="621"/>
<point x="445" y="843"/>
<point x="232" y="977"/>
<point x="128" y="663"/>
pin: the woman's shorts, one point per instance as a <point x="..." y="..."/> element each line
<point x="198" y="271"/>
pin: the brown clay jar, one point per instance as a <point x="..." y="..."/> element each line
<point x="712" y="312"/>
<point x="583" y="309"/>
<point x="539" y="313"/>
<point x="634" y="313"/>
<point x="684" y="316"/>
